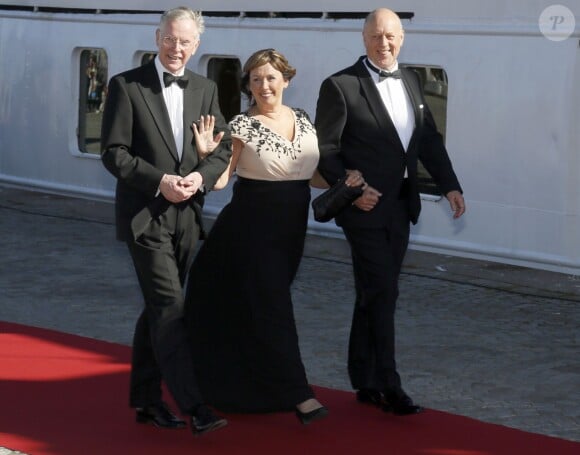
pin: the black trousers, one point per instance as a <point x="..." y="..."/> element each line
<point x="162" y="256"/>
<point x="377" y="257"/>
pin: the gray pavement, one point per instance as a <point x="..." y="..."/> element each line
<point x="494" y="342"/>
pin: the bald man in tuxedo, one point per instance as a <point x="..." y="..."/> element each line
<point x="372" y="117"/>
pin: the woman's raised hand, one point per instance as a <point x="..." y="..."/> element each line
<point x="205" y="141"/>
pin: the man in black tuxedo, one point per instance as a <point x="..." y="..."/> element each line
<point x="150" y="143"/>
<point x="372" y="117"/>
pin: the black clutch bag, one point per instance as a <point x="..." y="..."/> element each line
<point x="334" y="200"/>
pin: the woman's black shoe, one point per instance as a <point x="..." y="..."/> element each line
<point x="316" y="414"/>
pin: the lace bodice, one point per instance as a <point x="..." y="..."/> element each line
<point x="268" y="156"/>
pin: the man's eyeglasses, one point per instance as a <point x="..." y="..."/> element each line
<point x="170" y="41"/>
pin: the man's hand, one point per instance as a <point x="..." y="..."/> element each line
<point x="175" y="189"/>
<point x="456" y="202"/>
<point x="192" y="182"/>
<point x="369" y="199"/>
<point x="204" y="139"/>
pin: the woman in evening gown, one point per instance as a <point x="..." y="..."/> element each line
<point x="238" y="304"/>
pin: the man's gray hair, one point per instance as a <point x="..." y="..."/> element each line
<point x="183" y="12"/>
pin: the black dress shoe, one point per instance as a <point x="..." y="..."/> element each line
<point x="158" y="415"/>
<point x="204" y="420"/>
<point x="311" y="416"/>
<point x="399" y="403"/>
<point x="370" y="396"/>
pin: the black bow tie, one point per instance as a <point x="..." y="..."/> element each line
<point x="169" y="78"/>
<point x="384" y="74"/>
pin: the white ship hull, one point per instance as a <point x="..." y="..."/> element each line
<point x="512" y="113"/>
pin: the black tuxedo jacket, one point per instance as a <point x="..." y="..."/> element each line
<point x="138" y="148"/>
<point x="355" y="131"/>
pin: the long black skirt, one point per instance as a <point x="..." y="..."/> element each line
<point x="238" y="303"/>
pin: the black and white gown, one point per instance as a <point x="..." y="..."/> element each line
<point x="238" y="304"/>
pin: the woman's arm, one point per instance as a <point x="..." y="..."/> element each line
<point x="222" y="181"/>
<point x="317" y="181"/>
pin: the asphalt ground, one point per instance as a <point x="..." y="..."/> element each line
<point x="490" y="341"/>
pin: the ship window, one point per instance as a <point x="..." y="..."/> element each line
<point x="434" y="80"/>
<point x="226" y="73"/>
<point x="92" y="92"/>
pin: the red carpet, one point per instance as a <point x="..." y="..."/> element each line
<point x="62" y="394"/>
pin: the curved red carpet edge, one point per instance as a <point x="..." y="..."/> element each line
<point x="62" y="394"/>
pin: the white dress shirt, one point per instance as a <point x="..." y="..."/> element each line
<point x="397" y="102"/>
<point x="173" y="96"/>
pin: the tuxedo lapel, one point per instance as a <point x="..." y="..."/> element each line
<point x="373" y="97"/>
<point x="191" y="113"/>
<point x="153" y="96"/>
